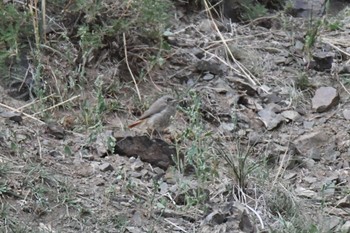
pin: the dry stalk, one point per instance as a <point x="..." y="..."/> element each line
<point x="328" y="41"/>
<point x="56" y="105"/>
<point x="127" y="64"/>
<point x="251" y="78"/>
<point x="25" y="114"/>
<point x="33" y="102"/>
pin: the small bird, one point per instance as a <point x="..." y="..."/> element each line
<point x="158" y="116"/>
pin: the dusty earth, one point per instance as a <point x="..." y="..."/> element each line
<point x="261" y="154"/>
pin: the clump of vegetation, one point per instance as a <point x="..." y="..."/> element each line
<point x="197" y="153"/>
<point x="51" y="50"/>
<point x="302" y="82"/>
<point x="15" y="28"/>
<point x="97" y="27"/>
<point x="198" y="149"/>
<point x="252" y="10"/>
<point x="242" y="10"/>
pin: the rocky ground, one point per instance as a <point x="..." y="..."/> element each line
<point x="259" y="143"/>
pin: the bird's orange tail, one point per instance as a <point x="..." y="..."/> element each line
<point x="135" y="124"/>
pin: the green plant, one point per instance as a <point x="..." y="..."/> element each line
<point x="197" y="146"/>
<point x="4" y="189"/>
<point x="333" y="25"/>
<point x="199" y="151"/>
<point x="9" y="224"/>
<point x="312" y="34"/>
<point x="288" y="6"/>
<point x="15" y="26"/>
<point x="90" y="40"/>
<point x="66" y="195"/>
<point x="92" y="114"/>
<point x="281" y="203"/>
<point x="239" y="162"/>
<point x="4" y="169"/>
<point x="302" y="82"/>
<point x="120" y="222"/>
<point x="153" y="17"/>
<point x="253" y="10"/>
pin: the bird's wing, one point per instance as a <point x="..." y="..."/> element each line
<point x="156" y="107"/>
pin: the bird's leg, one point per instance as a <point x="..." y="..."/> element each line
<point x="149" y="133"/>
<point x="154" y="134"/>
<point x="159" y="135"/>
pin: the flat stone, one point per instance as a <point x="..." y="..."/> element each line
<point x="158" y="171"/>
<point x="208" y="77"/>
<point x="270" y="119"/>
<point x="299" y="45"/>
<point x="346" y="227"/>
<point x="106" y="167"/>
<point x="291" y="115"/>
<point x="227" y="127"/>
<point x="324" y="99"/>
<point x="311" y="144"/>
<point x="164" y="188"/>
<point x="344" y="202"/>
<point x="303" y="192"/>
<point x="13" y="116"/>
<point x="134" y="229"/>
<point x="137" y="219"/>
<point x="331" y="222"/>
<point x="137" y="165"/>
<point x="346" y="114"/>
<point x="310" y="179"/>
<point x="136" y="174"/>
<point x="290" y="176"/>
<point x="308" y="124"/>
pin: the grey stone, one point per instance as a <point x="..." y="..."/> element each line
<point x="345" y="228"/>
<point x="323" y="60"/>
<point x="324" y="99"/>
<point x="303" y="192"/>
<point x="227" y="127"/>
<point x="311" y="144"/>
<point x="270" y="119"/>
<point x="208" y="77"/>
<point x="346" y="114"/>
<point x="291" y="115"/>
<point x="106" y="167"/>
<point x="308" y="124"/>
<point x="344" y="202"/>
<point x="13" y="116"/>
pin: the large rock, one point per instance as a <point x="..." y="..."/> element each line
<point x="323" y="60"/>
<point x="156" y="152"/>
<point x="324" y="99"/>
<point x="307" y="8"/>
<point x="270" y="116"/>
<point x="312" y="144"/>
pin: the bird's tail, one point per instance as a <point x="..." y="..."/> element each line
<point x="135" y="124"/>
